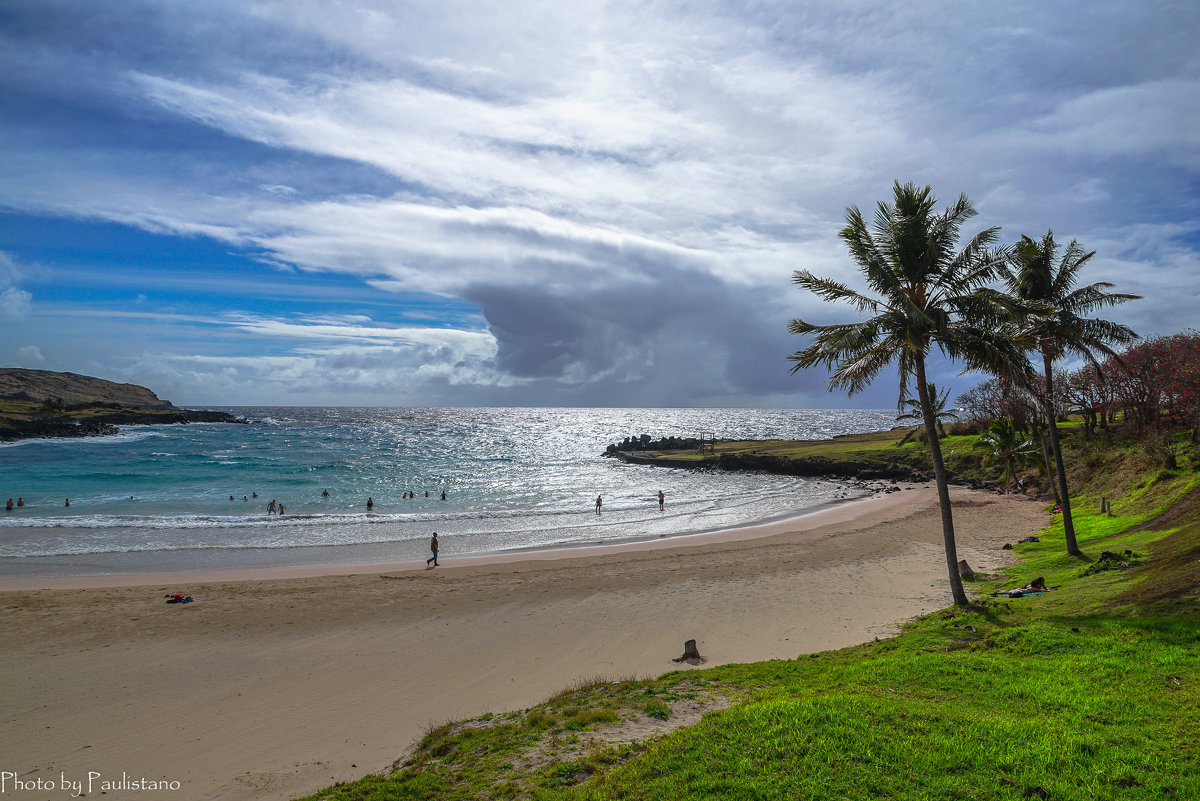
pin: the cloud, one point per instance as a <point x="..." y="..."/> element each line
<point x="30" y="356"/>
<point x="614" y="195"/>
<point x="15" y="303"/>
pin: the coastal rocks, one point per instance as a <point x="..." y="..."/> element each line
<point x="646" y="443"/>
<point x="180" y="416"/>
<point x="104" y="423"/>
<point x="11" y="430"/>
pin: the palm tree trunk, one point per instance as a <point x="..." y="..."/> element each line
<point x="943" y="487"/>
<point x="1065" y="500"/>
<point x="1046" y="460"/>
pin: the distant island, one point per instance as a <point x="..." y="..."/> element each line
<point x="43" y="403"/>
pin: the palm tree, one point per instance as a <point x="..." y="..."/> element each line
<point x="926" y="297"/>
<point x="940" y="414"/>
<point x="1058" y="327"/>
<point x="1003" y="441"/>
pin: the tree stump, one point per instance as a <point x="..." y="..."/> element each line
<point x="964" y="570"/>
<point x="690" y="654"/>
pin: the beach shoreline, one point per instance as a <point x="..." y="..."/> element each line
<point x="818" y="515"/>
<point x="270" y="687"/>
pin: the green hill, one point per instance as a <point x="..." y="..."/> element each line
<point x="19" y="384"/>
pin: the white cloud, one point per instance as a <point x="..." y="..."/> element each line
<point x="30" y="356"/>
<point x="1151" y="118"/>
<point x="616" y="187"/>
<point x="14" y="303"/>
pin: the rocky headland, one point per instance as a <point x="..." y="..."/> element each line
<point x="43" y="403"/>
<point x="872" y="457"/>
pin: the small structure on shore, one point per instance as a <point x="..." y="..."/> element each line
<point x="691" y="654"/>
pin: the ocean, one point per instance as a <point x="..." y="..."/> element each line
<point x="158" y="498"/>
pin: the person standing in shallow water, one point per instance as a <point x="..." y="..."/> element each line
<point x="433" y="546"/>
<point x="661" y="498"/>
<point x="599" y="503"/>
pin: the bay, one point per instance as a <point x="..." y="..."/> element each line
<point x="157" y="498"/>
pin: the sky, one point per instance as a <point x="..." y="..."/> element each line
<point x="543" y="203"/>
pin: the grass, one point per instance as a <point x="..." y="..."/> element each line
<point x="1090" y="691"/>
<point x="849" y="446"/>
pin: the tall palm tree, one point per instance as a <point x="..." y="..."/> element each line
<point x="940" y="414"/>
<point x="926" y="297"/>
<point x="1041" y="280"/>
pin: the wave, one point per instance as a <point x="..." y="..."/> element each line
<point x="193" y="521"/>
<point x="107" y="439"/>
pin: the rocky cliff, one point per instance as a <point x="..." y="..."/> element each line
<point x="41" y="403"/>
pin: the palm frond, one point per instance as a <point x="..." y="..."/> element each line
<point x="830" y="290"/>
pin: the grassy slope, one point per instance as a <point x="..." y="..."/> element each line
<point x="879" y="449"/>
<point x="839" y="447"/>
<point x="1090" y="691"/>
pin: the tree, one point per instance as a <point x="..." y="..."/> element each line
<point x="927" y="296"/>
<point x="1055" y="326"/>
<point x="1002" y="441"/>
<point x="940" y="414"/>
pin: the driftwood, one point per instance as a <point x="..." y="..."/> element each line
<point x="690" y="654"/>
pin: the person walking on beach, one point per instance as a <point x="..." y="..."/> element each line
<point x="433" y="546"/>
<point x="599" y="503"/>
<point x="661" y="498"/>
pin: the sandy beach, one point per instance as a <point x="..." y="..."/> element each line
<point x="273" y="685"/>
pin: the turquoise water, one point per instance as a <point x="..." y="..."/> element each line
<point x="158" y="497"/>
